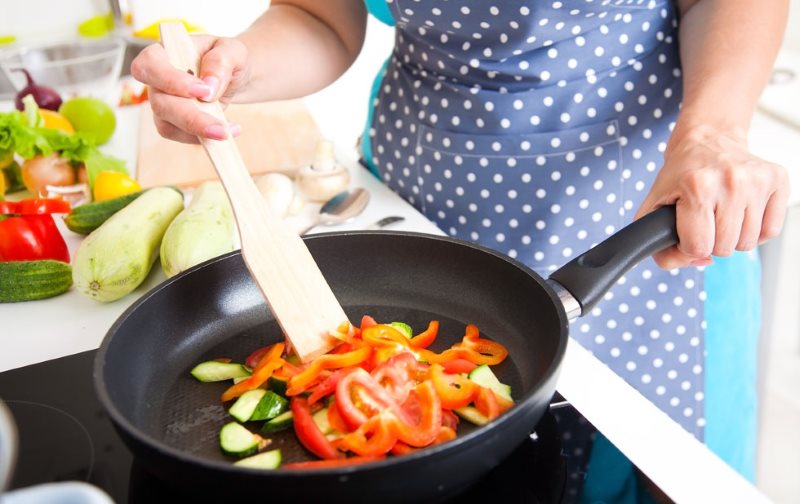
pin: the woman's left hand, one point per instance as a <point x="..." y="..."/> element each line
<point x="726" y="198"/>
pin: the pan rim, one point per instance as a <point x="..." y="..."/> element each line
<point x="548" y="375"/>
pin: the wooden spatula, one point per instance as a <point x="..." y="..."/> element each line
<point x="298" y="295"/>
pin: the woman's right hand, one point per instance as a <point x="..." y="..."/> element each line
<point x="224" y="70"/>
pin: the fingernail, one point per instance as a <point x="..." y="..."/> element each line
<point x="200" y="90"/>
<point x="235" y="129"/>
<point x="213" y="85"/>
<point x="215" y="132"/>
<point x="702" y="262"/>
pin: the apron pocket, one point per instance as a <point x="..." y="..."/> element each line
<point x="541" y="198"/>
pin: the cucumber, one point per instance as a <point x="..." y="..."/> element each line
<point x="246" y="404"/>
<point x="270" y="406"/>
<point x="267" y="460"/>
<point x="204" y="230"/>
<point x="404" y="328"/>
<point x="29" y="280"/>
<point x="485" y="377"/>
<point x="214" y="371"/>
<point x="280" y="422"/>
<point x="236" y="440"/>
<point x="321" y="419"/>
<point x="278" y="385"/>
<point x="86" y="218"/>
<point x="116" y="257"/>
<point x="472" y="415"/>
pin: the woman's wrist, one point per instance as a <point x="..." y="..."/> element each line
<point x="698" y="129"/>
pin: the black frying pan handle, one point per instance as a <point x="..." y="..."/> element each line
<point x="590" y="275"/>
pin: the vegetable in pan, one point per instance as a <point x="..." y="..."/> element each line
<point x="381" y="391"/>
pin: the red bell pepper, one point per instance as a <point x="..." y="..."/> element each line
<point x="374" y="437"/>
<point x="454" y="390"/>
<point x="266" y="366"/>
<point x="308" y="433"/>
<point x="29" y="233"/>
<point x="426" y="337"/>
<point x="425" y="431"/>
<point x="300" y="382"/>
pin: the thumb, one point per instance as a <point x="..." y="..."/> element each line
<point x="219" y="64"/>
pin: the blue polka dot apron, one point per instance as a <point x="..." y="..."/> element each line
<point x="537" y="129"/>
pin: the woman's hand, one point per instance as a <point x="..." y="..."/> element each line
<point x="223" y="72"/>
<point x="726" y="198"/>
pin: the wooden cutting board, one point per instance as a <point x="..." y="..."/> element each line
<point x="276" y="136"/>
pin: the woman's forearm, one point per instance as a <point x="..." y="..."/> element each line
<point x="299" y="47"/>
<point x="727" y="51"/>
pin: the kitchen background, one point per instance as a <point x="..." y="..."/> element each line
<point x="775" y="136"/>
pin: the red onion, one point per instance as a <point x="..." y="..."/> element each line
<point x="45" y="97"/>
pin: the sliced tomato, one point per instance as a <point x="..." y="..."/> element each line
<point x="336" y="420"/>
<point x="327" y="386"/>
<point x="449" y="419"/>
<point x="398" y="375"/>
<point x="360" y="397"/>
<point x="308" y="433"/>
<point x="454" y="390"/>
<point x="486" y="403"/>
<point x="367" y="321"/>
<point x="425" y="431"/>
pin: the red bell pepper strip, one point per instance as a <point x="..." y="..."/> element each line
<point x="31" y="238"/>
<point x="325" y="464"/>
<point x="266" y="366"/>
<point x="254" y="358"/>
<point x="486" y="403"/>
<point x="426" y="337"/>
<point x="335" y="419"/>
<point x="454" y="390"/>
<point x="491" y="349"/>
<point x="374" y="437"/>
<point x="445" y="434"/>
<point x="328" y="385"/>
<point x="300" y="382"/>
<point x="308" y="433"/>
<point x="457" y="366"/>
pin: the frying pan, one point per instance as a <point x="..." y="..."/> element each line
<point x="171" y="422"/>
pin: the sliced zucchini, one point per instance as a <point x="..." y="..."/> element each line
<point x="404" y="328"/>
<point x="277" y="385"/>
<point x="472" y="415"/>
<point x="267" y="460"/>
<point x="270" y="406"/>
<point x="214" y="371"/>
<point x="246" y="405"/>
<point x="485" y="377"/>
<point x="280" y="422"/>
<point x="236" y="440"/>
<point x="321" y="419"/>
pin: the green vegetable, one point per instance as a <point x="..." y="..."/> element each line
<point x="13" y="177"/>
<point x="236" y="440"/>
<point x="403" y="328"/>
<point x="214" y="371"/>
<point x="280" y="422"/>
<point x="204" y="230"/>
<point x="277" y="385"/>
<point x="29" y="280"/>
<point x="86" y="218"/>
<point x="20" y="133"/>
<point x="116" y="257"/>
<point x="472" y="415"/>
<point x="246" y="404"/>
<point x="270" y="406"/>
<point x="267" y="460"/>
<point x="484" y="376"/>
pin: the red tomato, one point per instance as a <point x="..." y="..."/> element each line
<point x="425" y="431"/>
<point x="359" y="397"/>
<point x="374" y="437"/>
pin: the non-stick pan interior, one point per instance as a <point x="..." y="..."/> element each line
<point x="216" y="311"/>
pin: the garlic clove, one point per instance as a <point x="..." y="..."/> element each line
<point x="278" y="191"/>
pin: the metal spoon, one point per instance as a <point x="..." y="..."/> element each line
<point x="341" y="208"/>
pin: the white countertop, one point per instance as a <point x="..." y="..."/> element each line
<point x="682" y="467"/>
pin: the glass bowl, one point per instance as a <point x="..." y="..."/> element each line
<point x="73" y="68"/>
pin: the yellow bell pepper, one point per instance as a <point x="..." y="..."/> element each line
<point x="110" y="184"/>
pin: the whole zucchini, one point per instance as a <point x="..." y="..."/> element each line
<point x="204" y="230"/>
<point x="116" y="257"/>
<point x="29" y="280"/>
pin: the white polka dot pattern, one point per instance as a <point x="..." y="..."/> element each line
<point x="537" y="130"/>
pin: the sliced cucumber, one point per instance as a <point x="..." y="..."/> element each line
<point x="321" y="419"/>
<point x="485" y="377"/>
<point x="472" y="415"/>
<point x="267" y="460"/>
<point x="246" y="404"/>
<point x="214" y="371"/>
<point x="280" y="422"/>
<point x="404" y="328"/>
<point x="236" y="440"/>
<point x="277" y="385"/>
<point x="270" y="406"/>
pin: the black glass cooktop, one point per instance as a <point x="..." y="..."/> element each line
<point x="66" y="436"/>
